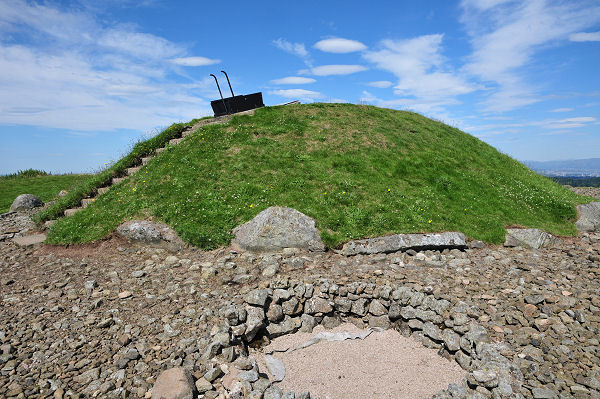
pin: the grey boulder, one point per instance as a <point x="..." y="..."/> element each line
<point x="175" y="383"/>
<point x="403" y="242"/>
<point x="25" y="202"/>
<point x="589" y="217"/>
<point x="277" y="228"/>
<point x="150" y="233"/>
<point x="529" y="238"/>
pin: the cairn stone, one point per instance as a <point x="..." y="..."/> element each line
<point x="150" y="233"/>
<point x="277" y="228"/>
<point x="529" y="238"/>
<point x="589" y="217"/>
<point x="25" y="202"/>
<point x="404" y="242"/>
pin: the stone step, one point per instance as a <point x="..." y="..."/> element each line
<point x="86" y="201"/>
<point x="103" y="190"/>
<point x="159" y="150"/>
<point x="117" y="180"/>
<point x="72" y="211"/>
<point x="133" y="171"/>
<point x="175" y="141"/>
<point x="48" y="224"/>
<point x="187" y="133"/>
<point x="146" y="160"/>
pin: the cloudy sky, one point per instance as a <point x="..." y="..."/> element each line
<point x="80" y="82"/>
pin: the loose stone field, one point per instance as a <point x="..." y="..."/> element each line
<point x="105" y="319"/>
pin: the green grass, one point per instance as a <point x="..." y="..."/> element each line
<point x="35" y="182"/>
<point x="89" y="186"/>
<point x="360" y="171"/>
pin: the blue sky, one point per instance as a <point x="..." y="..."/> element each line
<point x="80" y="82"/>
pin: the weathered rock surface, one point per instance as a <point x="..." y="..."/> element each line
<point x="175" y="383"/>
<point x="25" y="202"/>
<point x="403" y="242"/>
<point x="150" y="233"/>
<point x="277" y="228"/>
<point x="589" y="217"/>
<point x="30" y="240"/>
<point x="529" y="238"/>
<point x="15" y="224"/>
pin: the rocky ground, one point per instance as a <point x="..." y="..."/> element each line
<point x="103" y="320"/>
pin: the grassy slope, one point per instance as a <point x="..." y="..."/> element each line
<point x="89" y="186"/>
<point x="45" y="187"/>
<point x="359" y="171"/>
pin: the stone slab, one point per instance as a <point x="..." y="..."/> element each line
<point x="403" y="242"/>
<point x="30" y="240"/>
<point x="529" y="238"/>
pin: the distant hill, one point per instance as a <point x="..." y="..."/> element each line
<point x="573" y="167"/>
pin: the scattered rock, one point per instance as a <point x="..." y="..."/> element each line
<point x="175" y="383"/>
<point x="277" y="228"/>
<point x="124" y="294"/>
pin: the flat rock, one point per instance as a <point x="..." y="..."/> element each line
<point x="277" y="228"/>
<point x="403" y="242"/>
<point x="175" y="383"/>
<point x="30" y="240"/>
<point x="589" y="217"/>
<point x="25" y="202"/>
<point x="150" y="233"/>
<point x="529" y="238"/>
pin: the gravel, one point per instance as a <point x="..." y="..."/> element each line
<point x="63" y="336"/>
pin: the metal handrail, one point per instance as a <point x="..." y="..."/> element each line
<point x="229" y="83"/>
<point x="221" y="94"/>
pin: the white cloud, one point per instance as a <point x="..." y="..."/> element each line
<point x="382" y="84"/>
<point x="570" y="123"/>
<point x="194" y="61"/>
<point x="562" y="110"/>
<point x="297" y="49"/>
<point x="506" y="35"/>
<point x="327" y="70"/>
<point x="293" y="80"/>
<point x="300" y="94"/>
<point x="429" y="107"/>
<point x="483" y="5"/>
<point x="138" y="44"/>
<point x="77" y="74"/>
<point x="419" y="67"/>
<point x="585" y="37"/>
<point x="339" y="45"/>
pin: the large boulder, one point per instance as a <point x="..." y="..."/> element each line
<point x="403" y="242"/>
<point x="529" y="238"/>
<point x="589" y="217"/>
<point x="150" y="233"/>
<point x="175" y="383"/>
<point x="25" y="202"/>
<point x="276" y="228"/>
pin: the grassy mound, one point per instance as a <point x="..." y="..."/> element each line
<point x="359" y="171"/>
<point x="36" y="182"/>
